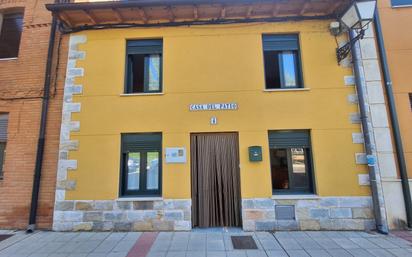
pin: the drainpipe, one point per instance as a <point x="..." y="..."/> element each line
<point x="394" y="120"/>
<point x="376" y="186"/>
<point x="40" y="144"/>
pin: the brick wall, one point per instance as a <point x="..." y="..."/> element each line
<point x="24" y="77"/>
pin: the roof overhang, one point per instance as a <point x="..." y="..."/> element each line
<point x="95" y="15"/>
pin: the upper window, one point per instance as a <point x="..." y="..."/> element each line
<point x="141" y="164"/>
<point x="401" y="2"/>
<point x="282" y="61"/>
<point x="11" y="26"/>
<point x="144" y="66"/>
<point x="291" y="161"/>
<point x="410" y="99"/>
<point x="3" y="140"/>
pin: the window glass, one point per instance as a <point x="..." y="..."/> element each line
<point x="279" y="169"/>
<point x="153" y="67"/>
<point x="3" y="139"/>
<point x="289" y="69"/>
<point x="133" y="171"/>
<point x="298" y="160"/>
<point x="152" y="170"/>
<point x="2" y="152"/>
<point x="299" y="171"/>
<point x="10" y="33"/>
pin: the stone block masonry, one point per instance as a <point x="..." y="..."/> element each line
<point x="323" y="213"/>
<point x="121" y="215"/>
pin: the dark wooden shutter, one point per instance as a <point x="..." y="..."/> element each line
<point x="289" y="139"/>
<point x="280" y="42"/>
<point x="141" y="142"/>
<point x="3" y="127"/>
<point x="149" y="46"/>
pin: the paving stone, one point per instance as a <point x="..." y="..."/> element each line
<point x="196" y="245"/>
<point x="345" y="243"/>
<point x="308" y="243"/>
<point x="400" y="252"/>
<point x="339" y="253"/>
<point x="196" y="254"/>
<point x="380" y="252"/>
<point x="289" y="244"/>
<point x="360" y="253"/>
<point x="318" y="253"/>
<point x="156" y="254"/>
<point x="382" y="243"/>
<point x="215" y="245"/>
<point x="106" y="246"/>
<point x="297" y="253"/>
<point x="123" y="254"/>
<point x="327" y="243"/>
<point x="123" y="246"/>
<point x="270" y="244"/>
<point x="255" y="253"/>
<point x="178" y="245"/>
<point x="216" y="254"/>
<point x="277" y="253"/>
<point x="176" y="254"/>
<point x="364" y="243"/>
<point x="236" y="253"/>
<point x="97" y="255"/>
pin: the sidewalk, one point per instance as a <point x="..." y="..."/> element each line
<point x="202" y="243"/>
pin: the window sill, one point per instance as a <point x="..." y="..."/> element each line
<point x="286" y="89"/>
<point x="401" y="6"/>
<point x="142" y="94"/>
<point x="9" y="59"/>
<point x="139" y="199"/>
<point x="295" y="197"/>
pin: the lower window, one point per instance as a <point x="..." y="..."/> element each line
<point x="291" y="162"/>
<point x="141" y="164"/>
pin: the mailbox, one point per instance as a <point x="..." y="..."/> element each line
<point x="255" y="153"/>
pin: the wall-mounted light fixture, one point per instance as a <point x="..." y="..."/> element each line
<point x="357" y="17"/>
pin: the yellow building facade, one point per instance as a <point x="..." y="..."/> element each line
<point x="219" y="69"/>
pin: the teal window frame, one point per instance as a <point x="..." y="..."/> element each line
<point x="145" y="48"/>
<point x="280" y="45"/>
<point x="142" y="143"/>
<point x="286" y="140"/>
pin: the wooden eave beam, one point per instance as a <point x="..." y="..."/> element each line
<point x="90" y="16"/>
<point x="141" y="13"/>
<point x="333" y="6"/>
<point x="275" y="10"/>
<point x="63" y="16"/>
<point x="304" y="8"/>
<point x="117" y="15"/>
<point x="249" y="11"/>
<point x="170" y="13"/>
<point x="223" y="12"/>
<point x="195" y="12"/>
